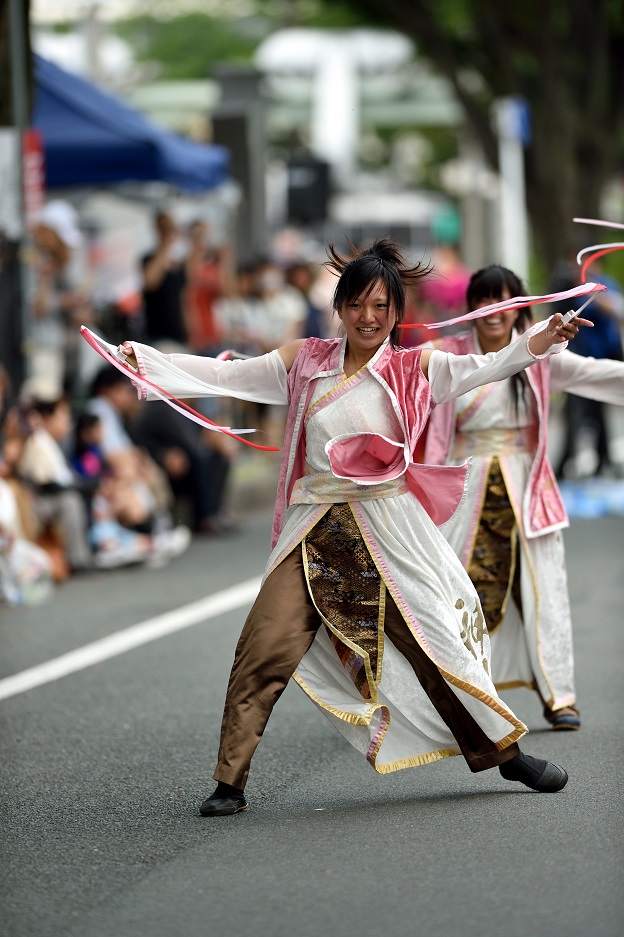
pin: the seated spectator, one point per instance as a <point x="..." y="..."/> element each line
<point x="195" y="466"/>
<point x="16" y="428"/>
<point x="145" y="496"/>
<point x="113" y="400"/>
<point x="87" y="458"/>
<point x="26" y="573"/>
<point x="114" y="545"/>
<point x="43" y="463"/>
<point x="25" y="569"/>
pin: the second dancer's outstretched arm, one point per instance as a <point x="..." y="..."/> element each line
<point x="451" y="375"/>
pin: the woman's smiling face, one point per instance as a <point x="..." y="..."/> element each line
<point x="498" y="326"/>
<point x="368" y="321"/>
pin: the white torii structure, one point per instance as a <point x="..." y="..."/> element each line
<point x="334" y="60"/>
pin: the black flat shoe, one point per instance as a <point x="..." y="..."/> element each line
<point x="566" y="722"/>
<point x="223" y="802"/>
<point x="566" y="718"/>
<point x="536" y="773"/>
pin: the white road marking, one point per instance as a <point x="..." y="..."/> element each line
<point x="121" y="641"/>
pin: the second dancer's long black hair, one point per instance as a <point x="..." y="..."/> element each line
<point x="488" y="285"/>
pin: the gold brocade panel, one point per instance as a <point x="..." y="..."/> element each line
<point x="493" y="565"/>
<point x="348" y="591"/>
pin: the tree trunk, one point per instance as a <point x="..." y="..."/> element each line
<point x="7" y="118"/>
<point x="566" y="60"/>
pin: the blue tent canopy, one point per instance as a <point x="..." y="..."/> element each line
<point x="91" y="138"/>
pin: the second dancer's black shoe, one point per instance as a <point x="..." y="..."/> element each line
<point x="536" y="773"/>
<point x="224" y="801"/>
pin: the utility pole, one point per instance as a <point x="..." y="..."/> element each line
<point x="12" y="270"/>
<point x="19" y="67"/>
<point x="512" y="124"/>
<point x="92" y="32"/>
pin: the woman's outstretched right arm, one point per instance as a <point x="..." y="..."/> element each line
<point x="262" y="379"/>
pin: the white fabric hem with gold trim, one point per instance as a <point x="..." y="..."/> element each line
<point x="536" y="648"/>
<point x="433" y="593"/>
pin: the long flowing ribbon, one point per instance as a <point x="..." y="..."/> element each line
<point x="597" y="250"/>
<point x="107" y="352"/>
<point x="599" y="222"/>
<point x="611" y="245"/>
<point x="595" y="253"/>
<point x="516" y="302"/>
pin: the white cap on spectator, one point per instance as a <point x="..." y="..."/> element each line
<point x="41" y="388"/>
<point x="62" y="218"/>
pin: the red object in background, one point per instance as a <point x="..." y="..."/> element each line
<point x="203" y="288"/>
<point x="130" y="304"/>
<point x="33" y="173"/>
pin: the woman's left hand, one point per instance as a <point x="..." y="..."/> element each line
<point x="128" y="352"/>
<point x="559" y="331"/>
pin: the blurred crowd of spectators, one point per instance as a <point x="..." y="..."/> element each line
<point x="91" y="478"/>
<point x="195" y="294"/>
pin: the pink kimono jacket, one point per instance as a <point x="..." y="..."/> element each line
<point x="532" y="648"/>
<point x="369" y="458"/>
<point x="543" y="508"/>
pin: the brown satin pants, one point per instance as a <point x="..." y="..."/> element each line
<point x="279" y="630"/>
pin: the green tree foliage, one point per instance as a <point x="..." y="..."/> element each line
<point x="566" y="58"/>
<point x="322" y="14"/>
<point x="187" y="47"/>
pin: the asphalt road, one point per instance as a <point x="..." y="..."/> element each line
<point x="103" y="770"/>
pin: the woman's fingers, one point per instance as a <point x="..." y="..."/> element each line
<point x="555" y="327"/>
<point x="560" y="331"/>
<point x="126" y="349"/>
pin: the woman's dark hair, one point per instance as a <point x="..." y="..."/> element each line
<point x="108" y="376"/>
<point x="489" y="284"/>
<point x="85" y="422"/>
<point x="46" y="408"/>
<point x="358" y="274"/>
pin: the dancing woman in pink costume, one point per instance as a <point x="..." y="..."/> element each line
<point x="364" y="602"/>
<point x="508" y="534"/>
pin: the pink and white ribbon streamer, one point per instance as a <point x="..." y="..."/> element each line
<point x="597" y="250"/>
<point x="108" y="353"/>
<point x="517" y="302"/>
<point x="601" y="224"/>
<point x="614" y="245"/>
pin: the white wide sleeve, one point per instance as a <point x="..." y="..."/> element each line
<point x="451" y="375"/>
<point x="595" y="378"/>
<point x="262" y="379"/>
